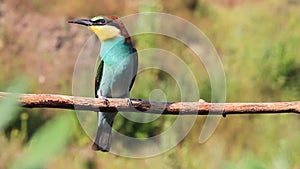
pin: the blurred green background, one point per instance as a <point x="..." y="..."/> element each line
<point x="258" y="43"/>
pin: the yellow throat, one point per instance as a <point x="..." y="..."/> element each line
<point x="105" y="32"/>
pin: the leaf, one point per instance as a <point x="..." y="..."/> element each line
<point x="9" y="110"/>
<point x="48" y="141"/>
<point x="9" y="106"/>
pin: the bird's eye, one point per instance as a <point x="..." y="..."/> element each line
<point x="102" y="21"/>
<point x="99" y="21"/>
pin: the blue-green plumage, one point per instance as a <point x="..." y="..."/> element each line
<point x="114" y="78"/>
<point x="116" y="70"/>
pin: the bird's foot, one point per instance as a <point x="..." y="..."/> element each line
<point x="201" y="101"/>
<point x="105" y="100"/>
<point x="100" y="95"/>
<point x="128" y="100"/>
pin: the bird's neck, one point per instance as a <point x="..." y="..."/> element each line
<point x="111" y="44"/>
<point x="114" y="49"/>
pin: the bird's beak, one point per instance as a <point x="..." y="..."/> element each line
<point x="86" y="22"/>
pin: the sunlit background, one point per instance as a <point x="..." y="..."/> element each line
<point x="258" y="43"/>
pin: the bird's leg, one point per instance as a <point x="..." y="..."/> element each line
<point x="129" y="100"/>
<point x="201" y="101"/>
<point x="129" y="103"/>
<point x="105" y="100"/>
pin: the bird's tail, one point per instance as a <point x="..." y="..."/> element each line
<point x="103" y="136"/>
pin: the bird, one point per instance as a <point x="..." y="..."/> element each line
<point x="116" y="69"/>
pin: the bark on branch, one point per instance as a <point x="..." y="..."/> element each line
<point x="144" y="106"/>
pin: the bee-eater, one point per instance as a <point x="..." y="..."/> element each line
<point x="116" y="69"/>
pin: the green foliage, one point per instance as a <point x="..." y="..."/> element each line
<point x="257" y="41"/>
<point x="47" y="142"/>
<point x="253" y="42"/>
<point x="9" y="110"/>
<point x="9" y="107"/>
<point x="248" y="163"/>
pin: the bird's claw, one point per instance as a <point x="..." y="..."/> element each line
<point x="100" y="95"/>
<point x="105" y="100"/>
<point x="201" y="101"/>
<point x="129" y="103"/>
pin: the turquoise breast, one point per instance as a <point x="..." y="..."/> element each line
<point x="114" y="51"/>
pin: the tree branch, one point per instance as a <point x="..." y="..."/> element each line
<point x="137" y="105"/>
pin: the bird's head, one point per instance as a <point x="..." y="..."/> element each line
<point x="105" y="27"/>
